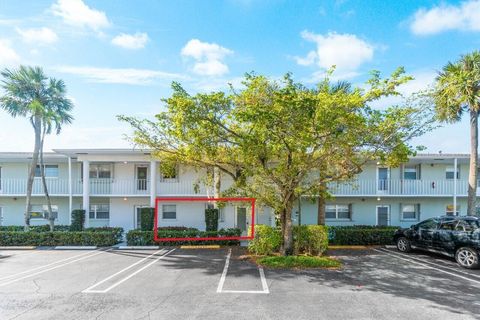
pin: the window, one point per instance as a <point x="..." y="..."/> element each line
<point x="51" y="171"/>
<point x="339" y="212"/>
<point x="99" y="211"/>
<point x="410" y="211"/>
<point x="428" y="224"/>
<point x="448" y="225"/>
<point x="41" y="211"/>
<point x="169" y="211"/>
<point x="449" y="172"/>
<point x="100" y="171"/>
<point x="221" y="214"/>
<point x="410" y="173"/>
<point x="168" y="171"/>
<point x="467" y="225"/>
<point x="450" y="212"/>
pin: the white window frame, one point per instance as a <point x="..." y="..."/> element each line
<point x="47" y="177"/>
<point x="451" y="169"/>
<point x="96" y="211"/>
<point x="349" y="206"/>
<point x="44" y="211"/>
<point x="163" y="212"/>
<point x="410" y="169"/>
<point x="92" y="165"/>
<point x="416" y="208"/>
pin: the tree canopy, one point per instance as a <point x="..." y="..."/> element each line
<point x="279" y="140"/>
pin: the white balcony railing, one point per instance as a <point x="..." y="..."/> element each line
<point x="127" y="187"/>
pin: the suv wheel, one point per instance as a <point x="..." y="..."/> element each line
<point x="403" y="245"/>
<point x="467" y="258"/>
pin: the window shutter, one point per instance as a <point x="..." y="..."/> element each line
<point x="419" y="171"/>
<point x="401" y="211"/>
<point x="350" y="213"/>
<point x="418" y="211"/>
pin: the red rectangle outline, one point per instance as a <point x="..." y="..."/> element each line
<point x="202" y="199"/>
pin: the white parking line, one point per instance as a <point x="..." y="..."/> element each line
<point x="82" y="257"/>
<point x="264" y="290"/>
<point x="44" y="266"/>
<point x="396" y="255"/>
<point x="454" y="268"/>
<point x="89" y="289"/>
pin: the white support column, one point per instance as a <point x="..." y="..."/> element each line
<point x="70" y="199"/>
<point x="153" y="182"/>
<point x="86" y="191"/>
<point x="455" y="186"/>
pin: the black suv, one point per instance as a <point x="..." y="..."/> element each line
<point x="457" y="237"/>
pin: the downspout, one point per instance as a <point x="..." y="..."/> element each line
<point x="455" y="186"/>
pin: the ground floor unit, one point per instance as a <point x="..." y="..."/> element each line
<point x="125" y="212"/>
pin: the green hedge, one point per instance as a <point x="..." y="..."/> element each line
<point x="58" y="238"/>
<point x="139" y="238"/>
<point x="361" y="235"/>
<point x="116" y="231"/>
<point x="78" y="220"/>
<point x="211" y="219"/>
<point x="307" y="239"/>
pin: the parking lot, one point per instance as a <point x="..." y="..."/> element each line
<point x="217" y="284"/>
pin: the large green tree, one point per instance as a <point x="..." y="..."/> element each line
<point x="457" y="91"/>
<point x="29" y="93"/>
<point x="271" y="137"/>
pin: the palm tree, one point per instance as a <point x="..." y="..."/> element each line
<point x="457" y="91"/>
<point x="29" y="93"/>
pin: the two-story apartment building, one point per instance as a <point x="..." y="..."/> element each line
<point x="114" y="183"/>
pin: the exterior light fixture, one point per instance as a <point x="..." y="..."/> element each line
<point x="124" y="199"/>
<point x="378" y="199"/>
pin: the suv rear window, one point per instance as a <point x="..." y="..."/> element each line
<point x="428" y="224"/>
<point x="467" y="225"/>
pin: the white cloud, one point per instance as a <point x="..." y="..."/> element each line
<point x="8" y="56"/>
<point x="77" y="13"/>
<point x="208" y="57"/>
<point x="465" y="17"/>
<point x="131" y="41"/>
<point x="42" y="35"/>
<point x="120" y="75"/>
<point x="345" y="51"/>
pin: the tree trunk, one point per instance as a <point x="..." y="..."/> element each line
<point x="287" y="230"/>
<point x="216" y="183"/>
<point x="472" y="176"/>
<point x="321" y="210"/>
<point x="51" y="218"/>
<point x="31" y="173"/>
<point x="299" y="211"/>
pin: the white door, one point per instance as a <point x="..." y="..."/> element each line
<point x="141" y="175"/>
<point x="241" y="220"/>
<point x="383" y="180"/>
<point x="383" y="215"/>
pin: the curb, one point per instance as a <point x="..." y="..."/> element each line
<point x="353" y="247"/>
<point x="18" y="248"/>
<point x="390" y="246"/>
<point x="75" y="247"/>
<point x="137" y="247"/>
<point x="214" y="246"/>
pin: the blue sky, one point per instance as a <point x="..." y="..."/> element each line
<point x="119" y="57"/>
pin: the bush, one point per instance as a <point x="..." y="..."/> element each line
<point x="307" y="239"/>
<point x="361" y="235"/>
<point x="310" y="239"/>
<point x="298" y="262"/>
<point x="146" y="219"/>
<point x="267" y="240"/>
<point x="141" y="238"/>
<point x="57" y="238"/>
<point x="42" y="228"/>
<point x="116" y="231"/>
<point x="78" y="220"/>
<point x="211" y="219"/>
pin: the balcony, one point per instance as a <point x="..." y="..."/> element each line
<point x="399" y="187"/>
<point x="139" y="187"/>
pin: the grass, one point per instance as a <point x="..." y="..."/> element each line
<point x="298" y="262"/>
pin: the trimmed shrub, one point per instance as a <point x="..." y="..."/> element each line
<point x="57" y="238"/>
<point x="310" y="239"/>
<point x="307" y="239"/>
<point x="211" y="219"/>
<point x="146" y="219"/>
<point x="42" y="228"/>
<point x="138" y="238"/>
<point x="78" y="220"/>
<point x="360" y="235"/>
<point x="116" y="231"/>
<point x="267" y="240"/>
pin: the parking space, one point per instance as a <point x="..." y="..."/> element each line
<point x="219" y="284"/>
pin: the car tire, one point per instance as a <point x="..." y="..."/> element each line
<point x="403" y="245"/>
<point x="467" y="258"/>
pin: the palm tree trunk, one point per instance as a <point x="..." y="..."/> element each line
<point x="31" y="173"/>
<point x="472" y="176"/>
<point x="51" y="218"/>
